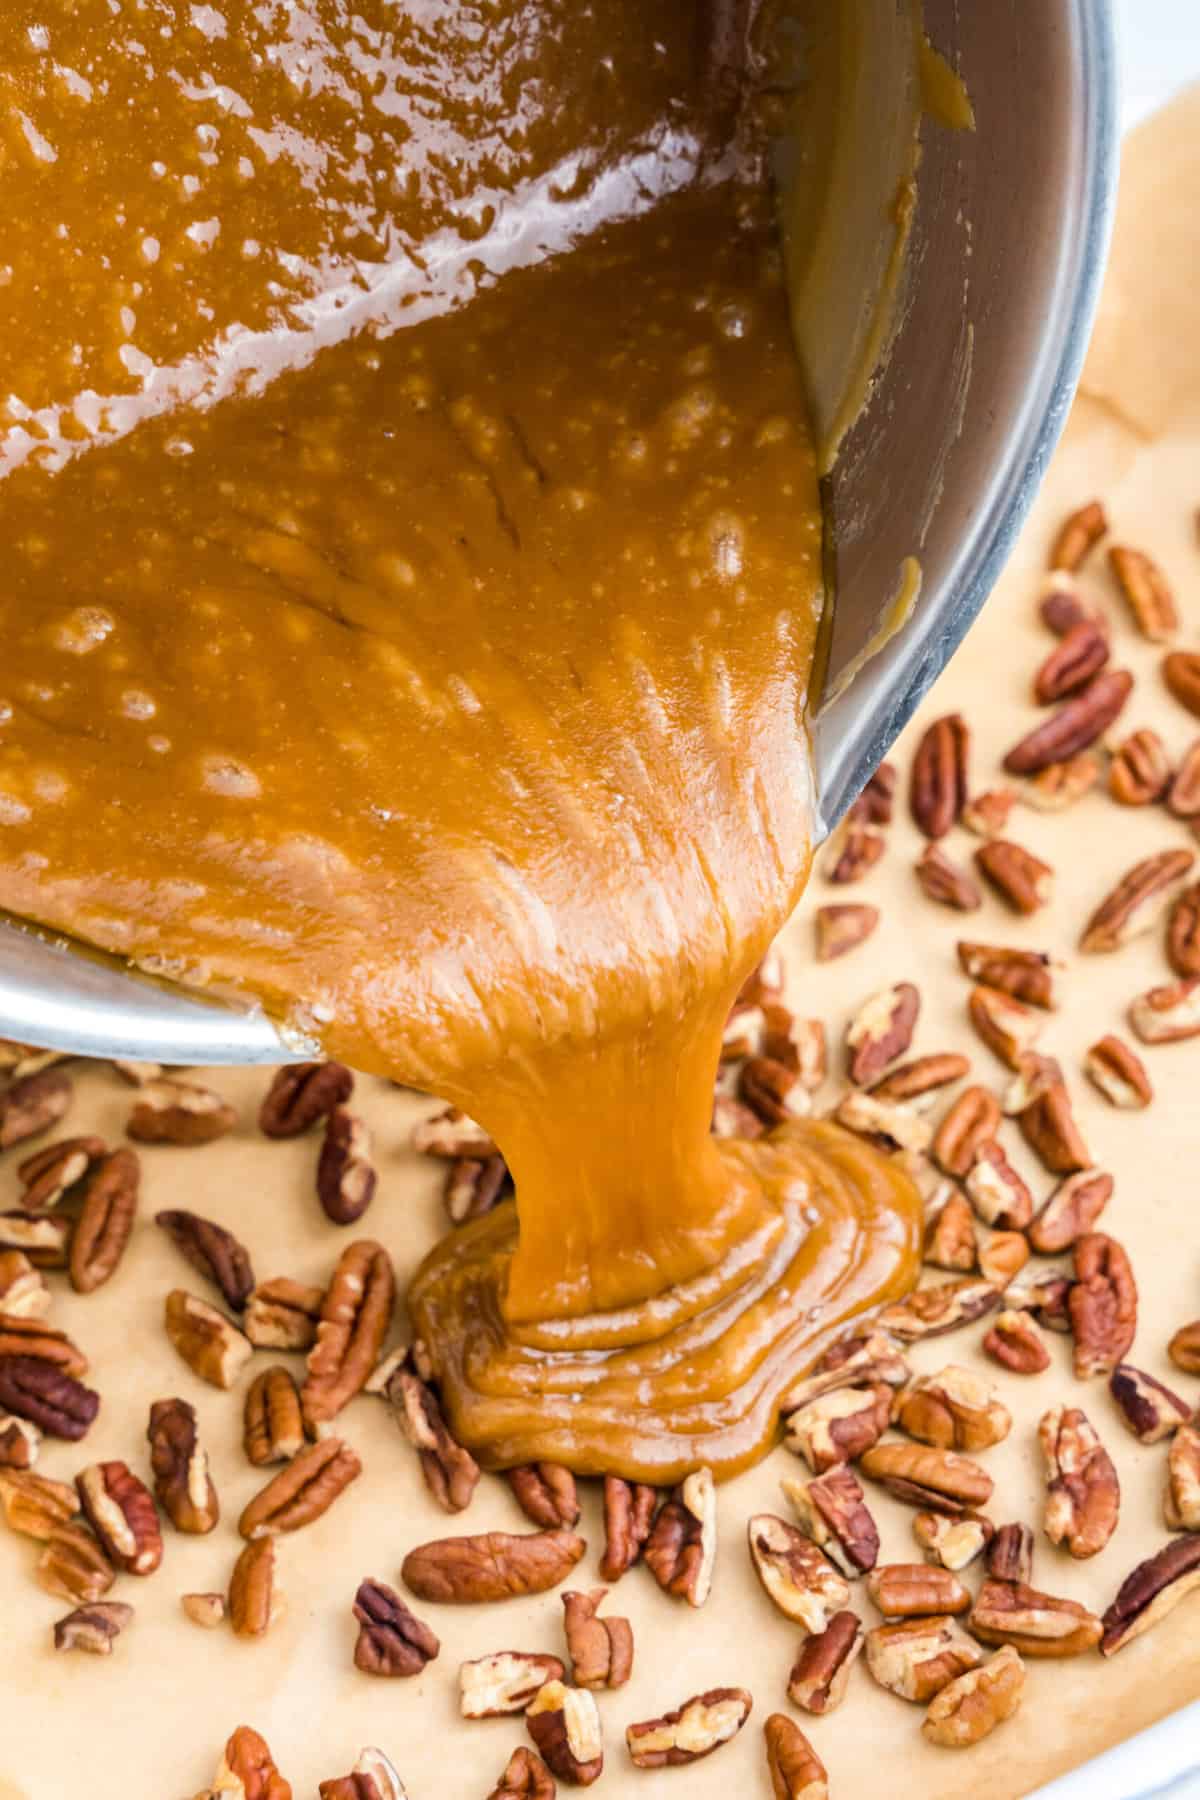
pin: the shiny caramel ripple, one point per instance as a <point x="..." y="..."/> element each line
<point x="842" y="1236"/>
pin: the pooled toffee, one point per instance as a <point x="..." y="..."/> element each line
<point x="447" y="692"/>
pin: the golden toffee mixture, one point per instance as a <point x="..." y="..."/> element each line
<point x="441" y="680"/>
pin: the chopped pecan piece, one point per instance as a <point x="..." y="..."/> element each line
<point x="970" y="1708"/>
<point x="924" y="1075"/>
<point x="821" y="1672"/>
<point x="302" y="1491"/>
<point x="894" y="1124"/>
<point x="1030" y="976"/>
<point x="47" y="1396"/>
<point x="928" y="1312"/>
<point x="565" y="1725"/>
<point x="732" y="1119"/>
<point x="601" y="1650"/>
<point x="1150" y="1410"/>
<point x="345" y="1173"/>
<point x="1071" y="1210"/>
<point x="1036" y="1624"/>
<point x="952" y="1543"/>
<point x="120" y="1510"/>
<point x="546" y="1494"/>
<point x="1048" y="1126"/>
<point x="629" y="1508"/>
<point x="876" y="802"/>
<point x="504" y="1682"/>
<point x="93" y="1628"/>
<point x="32" y="1104"/>
<point x="525" y="1777"/>
<point x="916" y="1590"/>
<point x="1118" y="1072"/>
<point x="852" y="1360"/>
<point x="972" y="1121"/>
<point x="1003" y="1257"/>
<point x="840" y="929"/>
<point x="1140" y="771"/>
<point x="302" y="1093"/>
<point x="838" y="1426"/>
<point x="213" y="1251"/>
<point x="772" y="1091"/>
<point x="452" y="1134"/>
<point x="796" y="1771"/>
<point x="34" y="1505"/>
<point x="987" y="814"/>
<point x="834" y="1513"/>
<point x="211" y="1346"/>
<point x="695" y="1729"/>
<point x="272" y="1423"/>
<point x="73" y="1566"/>
<point x="283" y="1314"/>
<point x="30" y="1337"/>
<point x="20" y="1442"/>
<point x="1181" y="1502"/>
<point x="799" y="1044"/>
<point x="1083" y="1495"/>
<point x="1016" y="1344"/>
<point x="682" y="1544"/>
<point x="916" y="1658"/>
<point x="1062" y="784"/>
<point x="998" y="1194"/>
<point x="880" y="1031"/>
<point x="1045" y="1296"/>
<point x="1019" y="877"/>
<point x="1162" y="1015"/>
<point x="1006" y="1026"/>
<point x="205" y="1610"/>
<point x="1102" y="1305"/>
<point x="247" y="1771"/>
<point x="1080" y="653"/>
<point x="55" y="1170"/>
<point x="794" y="1573"/>
<point x="450" y="1471"/>
<point x="950" y="1241"/>
<point x="474" y="1187"/>
<point x="764" y="984"/>
<point x="254" y="1603"/>
<point x="1079" y="532"/>
<point x="945" y="882"/>
<point x="1136" y="902"/>
<point x="392" y="1641"/>
<point x="1010" y="1554"/>
<point x="939" y="777"/>
<point x="1077" y="723"/>
<point x="1153" y="1590"/>
<point x="23" y="1290"/>
<point x="137" y="1074"/>
<point x="952" y="1410"/>
<point x="1184" y="1348"/>
<point x="373" y="1778"/>
<point x="180" y="1113"/>
<point x="854" y="854"/>
<point x="939" y="1480"/>
<point x="496" y="1565"/>
<point x="355" y="1315"/>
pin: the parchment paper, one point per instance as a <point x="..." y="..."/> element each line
<point x="151" y="1719"/>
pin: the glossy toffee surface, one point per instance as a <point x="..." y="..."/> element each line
<point x="446" y="690"/>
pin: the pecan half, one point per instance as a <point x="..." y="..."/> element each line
<point x="182" y="1483"/>
<point x="1162" y="1015"/>
<point x="30" y="1337"/>
<point x="838" y="1426"/>
<point x="950" y="1241"/>
<point x="1183" y="798"/>
<point x="1181" y="1502"/>
<point x="916" y="1590"/>
<point x="120" y="1510"/>
<point x="32" y="1104"/>
<point x="1010" y="1554"/>
<point x="73" y="1567"/>
<point x="1031" y="976"/>
<point x="525" y="1777"/>
<point x="1150" y="1410"/>
<point x="302" y="1491"/>
<point x="473" y="1187"/>
<point x="373" y="1778"/>
<point x="47" y="1396"/>
<point x="92" y="1628"/>
<point x="629" y="1508"/>
<point x="970" y="1708"/>
<point x="1184" y="1348"/>
<point x="247" y="1771"/>
<point x="682" y="1544"/>
<point x="254" y="1603"/>
<point x="821" y="1672"/>
<point x="923" y="1075"/>
<point x="893" y="1124"/>
<point x="452" y="1134"/>
<point x="1062" y="784"/>
<point x="1083" y="1495"/>
<point x="944" y="882"/>
<point x="1036" y="1624"/>
<point x="952" y="1543"/>
<point x="272" y="1423"/>
<point x="1136" y="902"/>
<point x="42" y="1238"/>
<point x="302" y="1093"/>
<point x="998" y="1194"/>
<point x="880" y="1031"/>
<point x="987" y="814"/>
<point x="1140" y="771"/>
<point x="973" y="1120"/>
<point x="1070" y="1211"/>
<point x="1018" y="876"/>
<point x="833" y="1511"/>
<point x="213" y="1251"/>
<point x="1080" y="653"/>
<point x="53" y="1171"/>
<point x="496" y="1565"/>
<point x="206" y="1610"/>
<point x="840" y="929"/>
<point x="179" y="1113"/>
<point x="1016" y="1344"/>
<point x="546" y="1494"/>
<point x="794" y="1573"/>
<point x="212" y="1347"/>
<point x="1048" y="1126"/>
<point x="695" y="1729"/>
<point x="772" y="1091"/>
<point x="355" y="1315"/>
<point x="916" y="1658"/>
<point x="1077" y="723"/>
<point x="601" y="1650"/>
<point x="1118" y="1072"/>
<point x="23" y="1290"/>
<point x="34" y="1505"/>
<point x="20" y="1442"/>
<point x="796" y="1771"/>
<point x="1183" y="932"/>
<point x="565" y="1725"/>
<point x="939" y="777"/>
<point x="391" y="1641"/>
<point x="450" y="1471"/>
<point x="505" y="1682"/>
<point x="1150" y="1592"/>
<point x="346" y="1176"/>
<point x="952" y="1410"/>
<point x="854" y="854"/>
<point x="1079" y="532"/>
<point x="930" y="1311"/>
<point x="1147" y="592"/>
<point x="1006" y="1026"/>
<point x="283" y="1314"/>
<point x="939" y="1480"/>
<point x="1102" y="1305"/>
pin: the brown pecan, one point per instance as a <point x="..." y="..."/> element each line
<point x="1007" y="1026"/>
<point x="1036" y="1624"/>
<point x="1183" y="799"/>
<point x="1183" y="932"/>
<point x="794" y="1573"/>
<point x="137" y="1074"/>
<point x="1045" y="1296"/>
<point x="854" y="854"/>
<point x="496" y="1565"/>
<point x="565" y="1725"/>
<point x="303" y="1489"/>
<point x="1048" y="1126"/>
<point x="743" y="1034"/>
<point x="1071" y="1210"/>
<point x="121" y="1511"/>
<point x="796" y="1771"/>
<point x="1019" y="877"/>
<point x="974" y="1119"/>
<point x="998" y="1194"/>
<point x="1136" y="902"/>
<point x="373" y="1778"/>
<point x="355" y="1315"/>
<point x="272" y="1423"/>
<point x="180" y="1113"/>
<point x="1184" y="1348"/>
<point x="1102" y="1305"/>
<point x="205" y="1610"/>
<point x="34" y="1505"/>
<point x="182" y="1483"/>
<point x="1003" y="1257"/>
<point x="213" y="1251"/>
<point x="945" y="882"/>
<point x="952" y="1410"/>
<point x="53" y="1171"/>
<point x="1140" y="771"/>
<point x="799" y="1044"/>
<point x="1062" y="784"/>
<point x="525" y="1777"/>
<point x="20" y="1442"/>
<point x="970" y="1708"/>
<point x="254" y="1603"/>
<point x="391" y="1641"/>
<point x="628" y="1515"/>
<point x="916" y="1658"/>
<point x="1031" y="976"/>
<point x="92" y="1628"/>
<point x="73" y="1567"/>
<point x="857" y="1359"/>
<point x="283" y="1314"/>
<point x="939" y="1480"/>
<point x="1083" y="1495"/>
<point x="345" y="1173"/>
<point x="1010" y="1554"/>
<point x="952" y="1543"/>
<point x="26" y="1059"/>
<point x="1181" y="1502"/>
<point x="452" y="1134"/>
<point x="840" y="929"/>
<point x="892" y="1124"/>
<point x="1079" y="532"/>
<point x="47" y="1396"/>
<point x="987" y="814"/>
<point x="838" y="1425"/>
<point x="546" y="1494"/>
<point x="106" y="1220"/>
<point x="1168" y="1014"/>
<point x="682" y="1543"/>
<point x="32" y="1104"/>
<point x="505" y="1682"/>
<point x="473" y="1187"/>
<point x="923" y="1075"/>
<point x="880" y="1031"/>
<point x="1153" y="1590"/>
<point x="1016" y="1344"/>
<point x="821" y="1672"/>
<point x="450" y="1471"/>
<point x="247" y="1771"/>
<point x="23" y="1290"/>
<point x="43" y="1239"/>
<point x="876" y="802"/>
<point x="771" y="1090"/>
<point x="938" y="780"/>
<point x="1077" y="723"/>
<point x="302" y="1093"/>
<point x="928" y="1312"/>
<point x="1147" y="592"/>
<point x="1150" y="1410"/>
<point x="1118" y="1072"/>
<point x="916" y="1590"/>
<point x="695" y="1729"/>
<point x="834" y="1513"/>
<point x="212" y="1347"/>
<point x="1080" y="653"/>
<point x="732" y="1119"/>
<point x="950" y="1241"/>
<point x="31" y="1337"/>
<point x="601" y="1650"/>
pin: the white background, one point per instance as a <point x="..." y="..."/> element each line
<point x="1160" y="51"/>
